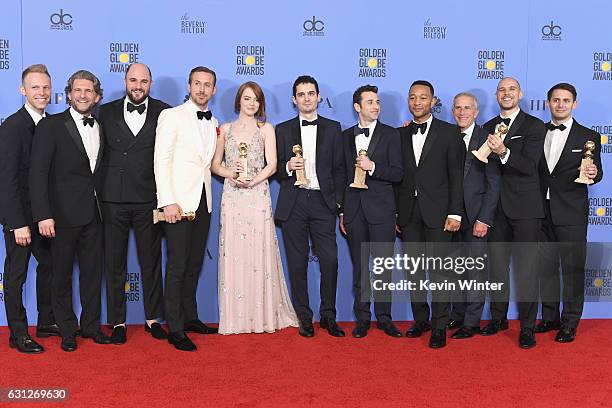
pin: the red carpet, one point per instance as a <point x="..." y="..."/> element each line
<point x="284" y="369"/>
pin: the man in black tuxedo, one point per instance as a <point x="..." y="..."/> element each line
<point x="127" y="192"/>
<point x="480" y="197"/>
<point x="21" y="238"/>
<point x="66" y="156"/>
<point x="429" y="199"/>
<point x="368" y="215"/>
<point x="519" y="212"/>
<point x="566" y="208"/>
<point x="311" y="209"/>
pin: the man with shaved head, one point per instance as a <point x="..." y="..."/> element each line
<point x="519" y="213"/>
<point x="128" y="196"/>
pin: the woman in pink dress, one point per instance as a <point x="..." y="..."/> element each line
<point x="253" y="296"/>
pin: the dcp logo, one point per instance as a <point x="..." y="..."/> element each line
<point x="61" y="18"/>
<point x="313" y="25"/>
<point x="551" y="31"/>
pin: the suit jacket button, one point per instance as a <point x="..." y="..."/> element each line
<point x="118" y="140"/>
<point x="125" y="153"/>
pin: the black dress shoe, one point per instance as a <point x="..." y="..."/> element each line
<point x="417" y="329"/>
<point x="25" y="344"/>
<point x="547" y="325"/>
<point x="493" y="327"/>
<point x="454" y="324"/>
<point x="565" y="335"/>
<point x="196" y="326"/>
<point x="389" y="328"/>
<point x="43" y="330"/>
<point x="98" y="337"/>
<point x="69" y="343"/>
<point x="361" y="330"/>
<point x="332" y="327"/>
<point x="527" y="338"/>
<point x="157" y="331"/>
<point x="119" y="335"/>
<point x="437" y="339"/>
<point x="306" y="329"/>
<point x="180" y="341"/>
<point x="465" y="332"/>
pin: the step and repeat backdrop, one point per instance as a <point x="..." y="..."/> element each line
<point x="458" y="45"/>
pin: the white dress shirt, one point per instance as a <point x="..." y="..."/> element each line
<point x="468" y="135"/>
<point x="363" y="142"/>
<point x="418" y="140"/>
<point x="90" y="137"/>
<point x="512" y="116"/>
<point x="554" y="144"/>
<point x="309" y="152"/>
<point x="36" y="117"/>
<point x="205" y="127"/>
<point x="133" y="119"/>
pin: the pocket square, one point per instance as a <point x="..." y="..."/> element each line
<point x="515" y="137"/>
<point x="576" y="150"/>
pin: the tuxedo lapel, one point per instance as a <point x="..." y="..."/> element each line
<point x="520" y="118"/>
<point x="376" y="136"/>
<point x="319" y="144"/>
<point x="432" y="135"/>
<point x="296" y="133"/>
<point x="473" y="145"/>
<point x="409" y="148"/>
<point x="101" y="149"/>
<point x="75" y="135"/>
<point x="569" y="143"/>
<point x="190" y="118"/>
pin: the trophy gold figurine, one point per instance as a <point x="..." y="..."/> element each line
<point x="300" y="175"/>
<point x="484" y="151"/>
<point x="158" y="216"/>
<point x="242" y="152"/>
<point x="360" y="174"/>
<point x="587" y="160"/>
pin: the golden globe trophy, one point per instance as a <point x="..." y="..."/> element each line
<point x="300" y="174"/>
<point x="360" y="174"/>
<point x="243" y="152"/>
<point x="158" y="216"/>
<point x="587" y="160"/>
<point x="484" y="151"/>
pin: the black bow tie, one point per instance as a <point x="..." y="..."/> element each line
<point x="463" y="134"/>
<point x="207" y="115"/>
<point x="551" y="126"/>
<point x="365" y="131"/>
<point x="499" y="120"/>
<point x="140" y="108"/>
<point x="417" y="126"/>
<point x="308" y="123"/>
<point x="88" y="121"/>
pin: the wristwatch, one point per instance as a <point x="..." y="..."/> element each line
<point x="504" y="154"/>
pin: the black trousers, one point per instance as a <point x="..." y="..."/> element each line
<point x="515" y="240"/>
<point x="469" y="304"/>
<point x="311" y="217"/>
<point x="118" y="219"/>
<point x="360" y="235"/>
<point x="15" y="274"/>
<point x="86" y="243"/>
<point x="417" y="231"/>
<point x="565" y="246"/>
<point x="185" y="249"/>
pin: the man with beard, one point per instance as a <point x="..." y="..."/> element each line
<point x="21" y="238"/>
<point x="128" y="198"/>
<point x="66" y="156"/>
<point x="519" y="211"/>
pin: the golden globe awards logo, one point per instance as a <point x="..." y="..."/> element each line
<point x="132" y="287"/>
<point x="600" y="210"/>
<point x="602" y="66"/>
<point x="5" y="60"/>
<point x="598" y="283"/>
<point x="373" y="62"/>
<point x="61" y="20"/>
<point x="313" y="27"/>
<point x="432" y="32"/>
<point x="250" y="59"/>
<point x="122" y="55"/>
<point x="605" y="133"/>
<point x="192" y="26"/>
<point x="1" y="286"/>
<point x="490" y="64"/>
